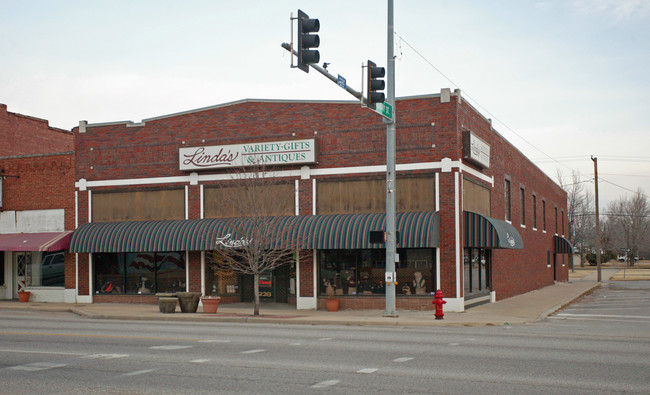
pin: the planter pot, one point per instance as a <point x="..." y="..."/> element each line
<point x="210" y="305"/>
<point x="332" y="304"/>
<point x="23" y="296"/>
<point x="189" y="301"/>
<point x="167" y="305"/>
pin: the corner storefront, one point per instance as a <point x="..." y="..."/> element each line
<point x="151" y="213"/>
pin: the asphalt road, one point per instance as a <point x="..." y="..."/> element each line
<point x="601" y="344"/>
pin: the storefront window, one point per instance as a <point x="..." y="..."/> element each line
<point x="46" y="270"/>
<point x="476" y="276"/>
<point x="362" y="272"/>
<point x="139" y="273"/>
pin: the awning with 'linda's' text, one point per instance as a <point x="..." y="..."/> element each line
<point x="336" y="231"/>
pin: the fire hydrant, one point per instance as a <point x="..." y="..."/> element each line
<point x="439" y="302"/>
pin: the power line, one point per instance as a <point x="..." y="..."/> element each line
<point x="637" y="158"/>
<point x="479" y="105"/>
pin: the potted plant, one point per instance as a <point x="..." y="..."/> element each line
<point x="23" y="296"/>
<point x="332" y="302"/>
<point x="210" y="303"/>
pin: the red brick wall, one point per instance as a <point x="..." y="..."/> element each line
<point x="518" y="271"/>
<point x="43" y="160"/>
<point x="306" y="268"/>
<point x="25" y="135"/>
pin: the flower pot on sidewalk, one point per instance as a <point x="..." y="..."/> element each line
<point x="210" y="304"/>
<point x="23" y="296"/>
<point x="189" y="301"/>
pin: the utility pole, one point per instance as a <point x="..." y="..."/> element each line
<point x="593" y="158"/>
<point x="391" y="254"/>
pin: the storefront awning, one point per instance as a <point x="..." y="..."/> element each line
<point x="488" y="232"/>
<point x="48" y="241"/>
<point x="343" y="231"/>
<point x="352" y="231"/>
<point x="562" y="245"/>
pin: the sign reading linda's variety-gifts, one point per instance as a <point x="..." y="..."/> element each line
<point x="275" y="153"/>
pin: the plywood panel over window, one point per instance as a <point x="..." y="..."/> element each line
<point x="138" y="205"/>
<point x="369" y="196"/>
<point x="228" y="201"/>
<point x="476" y="198"/>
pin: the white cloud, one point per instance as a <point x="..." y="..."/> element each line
<point x="621" y="10"/>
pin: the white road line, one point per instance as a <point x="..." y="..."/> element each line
<point x="137" y="372"/>
<point x="604" y="315"/>
<point x="295" y="344"/>
<point x="105" y="356"/>
<point x="402" y="359"/>
<point x="252" y="351"/>
<point x="33" y="367"/>
<point x="596" y="319"/>
<point x="200" y="361"/>
<point x="171" y="347"/>
<point x="214" y="341"/>
<point x="454" y="344"/>
<point x="324" y="339"/>
<point x="43" y="352"/>
<point x="367" y="370"/>
<point x="324" y="384"/>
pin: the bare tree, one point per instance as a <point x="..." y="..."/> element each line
<point x="629" y="219"/>
<point x="580" y="211"/>
<point x="257" y="205"/>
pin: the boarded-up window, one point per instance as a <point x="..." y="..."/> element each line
<point x="138" y="205"/>
<point x="228" y="202"/>
<point x="476" y="198"/>
<point x="369" y="196"/>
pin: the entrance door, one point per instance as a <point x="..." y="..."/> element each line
<point x="281" y="275"/>
<point x="21" y="260"/>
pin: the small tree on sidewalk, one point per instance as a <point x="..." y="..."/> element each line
<point x="257" y="205"/>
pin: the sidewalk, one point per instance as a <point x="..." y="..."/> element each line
<point x="529" y="307"/>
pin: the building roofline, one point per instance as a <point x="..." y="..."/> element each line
<point x="243" y="101"/>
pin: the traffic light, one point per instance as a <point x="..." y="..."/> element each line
<point x="307" y="41"/>
<point x="375" y="84"/>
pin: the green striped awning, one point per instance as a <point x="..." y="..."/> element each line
<point x="337" y="231"/>
<point x="562" y="245"/>
<point x="352" y="231"/>
<point x="488" y="232"/>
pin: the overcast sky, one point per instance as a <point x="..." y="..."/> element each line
<point x="562" y="79"/>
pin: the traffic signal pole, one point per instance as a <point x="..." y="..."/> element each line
<point x="309" y="57"/>
<point x="391" y="242"/>
<point x="324" y="72"/>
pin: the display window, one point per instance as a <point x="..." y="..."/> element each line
<point x="45" y="269"/>
<point x="362" y="272"/>
<point x="139" y="273"/>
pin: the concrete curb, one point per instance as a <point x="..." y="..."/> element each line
<point x="567" y="302"/>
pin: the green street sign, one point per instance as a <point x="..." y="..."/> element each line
<point x="385" y="110"/>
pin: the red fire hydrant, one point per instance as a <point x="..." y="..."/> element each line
<point x="439" y="302"/>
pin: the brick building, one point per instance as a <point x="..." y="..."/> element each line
<point x="37" y="213"/>
<point x="475" y="219"/>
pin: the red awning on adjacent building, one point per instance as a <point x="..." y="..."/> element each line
<point x="48" y="241"/>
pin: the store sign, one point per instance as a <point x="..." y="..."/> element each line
<point x="228" y="242"/>
<point x="289" y="152"/>
<point x="476" y="150"/>
<point x="266" y="285"/>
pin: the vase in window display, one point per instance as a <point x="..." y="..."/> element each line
<point x="144" y="285"/>
<point x="419" y="284"/>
